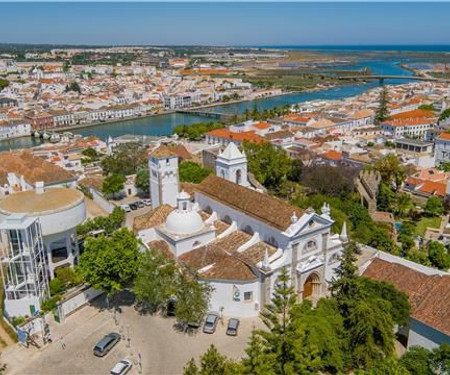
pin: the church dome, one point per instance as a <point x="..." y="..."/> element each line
<point x="184" y="220"/>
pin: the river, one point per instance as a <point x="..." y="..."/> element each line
<point x="164" y="124"/>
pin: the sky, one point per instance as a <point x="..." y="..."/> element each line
<point x="225" y="23"/>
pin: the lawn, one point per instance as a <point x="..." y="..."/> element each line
<point x="427" y="222"/>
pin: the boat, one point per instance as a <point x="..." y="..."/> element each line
<point x="55" y="137"/>
<point x="45" y="135"/>
<point x="36" y="134"/>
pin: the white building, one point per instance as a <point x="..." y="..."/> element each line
<point x="14" y="129"/>
<point x="239" y="240"/>
<point x="38" y="231"/>
<point x="231" y="164"/>
<point x="442" y="149"/>
<point x="164" y="181"/>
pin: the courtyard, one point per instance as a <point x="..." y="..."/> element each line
<point x="162" y="347"/>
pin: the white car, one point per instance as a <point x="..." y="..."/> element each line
<point x="147" y="202"/>
<point x="121" y="367"/>
<point x="125" y="207"/>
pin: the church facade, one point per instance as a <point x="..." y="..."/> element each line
<point x="239" y="239"/>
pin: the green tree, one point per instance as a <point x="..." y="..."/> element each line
<point x="427" y="107"/>
<point x="258" y="360"/>
<point x="418" y="256"/>
<point x="391" y="171"/>
<point x="382" y="112"/>
<point x="156" y="280"/>
<point x="268" y="164"/>
<point x="113" y="184"/>
<point x="110" y="263"/>
<point x="329" y="180"/>
<point x="444" y="167"/>
<point x="192" y="172"/>
<point x="438" y="255"/>
<point x="371" y="330"/>
<point x="3" y="83"/>
<point x="417" y="361"/>
<point x="389" y="366"/>
<point x="192" y="299"/>
<point x="126" y="160"/>
<point x="212" y="363"/>
<point x="440" y="360"/>
<point x="385" y="198"/>
<point x="324" y="337"/>
<point x="142" y="181"/>
<point x="191" y="368"/>
<point x="345" y="287"/>
<point x="90" y="153"/>
<point x="434" y="206"/>
<point x="403" y="204"/>
<point x="281" y="337"/>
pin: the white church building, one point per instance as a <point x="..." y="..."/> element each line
<point x="235" y="237"/>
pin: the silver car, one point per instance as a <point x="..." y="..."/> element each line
<point x="233" y="325"/>
<point x="210" y="323"/>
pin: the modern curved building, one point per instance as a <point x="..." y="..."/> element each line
<point x="38" y="232"/>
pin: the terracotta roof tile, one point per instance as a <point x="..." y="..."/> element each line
<point x="152" y="218"/>
<point x="429" y="295"/>
<point x="32" y="167"/>
<point x="272" y="211"/>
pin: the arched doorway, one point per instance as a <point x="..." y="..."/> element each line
<point x="311" y="288"/>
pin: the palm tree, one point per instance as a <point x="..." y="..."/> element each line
<point x="403" y="204"/>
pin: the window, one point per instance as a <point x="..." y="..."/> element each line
<point x="184" y="206"/>
<point x="310" y="246"/>
<point x="248" y="296"/>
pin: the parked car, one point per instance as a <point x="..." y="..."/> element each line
<point x="133" y="206"/>
<point x="171" y="305"/>
<point x="233" y="325"/>
<point x="125" y="207"/>
<point x="106" y="344"/>
<point x="147" y="202"/>
<point x="121" y="367"/>
<point x="196" y="322"/>
<point x="140" y="204"/>
<point x="210" y="323"/>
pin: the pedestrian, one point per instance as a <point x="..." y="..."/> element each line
<point x="63" y="344"/>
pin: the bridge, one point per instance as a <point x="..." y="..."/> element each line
<point x="382" y="77"/>
<point x="203" y="113"/>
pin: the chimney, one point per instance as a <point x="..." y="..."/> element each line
<point x="39" y="187"/>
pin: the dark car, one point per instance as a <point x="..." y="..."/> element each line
<point x="171" y="305"/>
<point x="106" y="344"/>
<point x="133" y="206"/>
<point x="233" y="325"/>
<point x="210" y="323"/>
<point x="140" y="204"/>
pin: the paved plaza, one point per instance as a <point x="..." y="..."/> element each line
<point x="163" y="349"/>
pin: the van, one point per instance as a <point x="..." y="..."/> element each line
<point x="106" y="344"/>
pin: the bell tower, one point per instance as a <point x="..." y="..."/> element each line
<point x="231" y="164"/>
<point x="164" y="180"/>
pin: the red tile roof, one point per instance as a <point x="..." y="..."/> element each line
<point x="434" y="188"/>
<point x="249" y="136"/>
<point x="265" y="208"/>
<point x="332" y="155"/>
<point x="429" y="295"/>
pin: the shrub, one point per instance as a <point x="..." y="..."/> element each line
<point x="50" y="304"/>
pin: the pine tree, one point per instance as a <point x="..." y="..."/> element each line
<point x="382" y="112"/>
<point x="258" y="362"/>
<point x="345" y="287"/>
<point x="281" y="337"/>
<point x="191" y="368"/>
